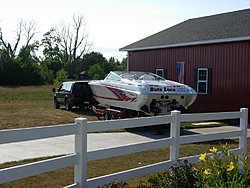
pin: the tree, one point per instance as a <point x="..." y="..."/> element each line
<point x="27" y="54"/>
<point x="73" y="41"/>
<point x="66" y="48"/>
<point x="9" y="67"/>
<point x="107" y="67"/>
<point x="26" y="29"/>
<point x="96" y="72"/>
<point x="30" y="65"/>
<point x="53" y="56"/>
<point x="25" y="65"/>
<point x="116" y="65"/>
<point x="21" y="70"/>
<point x="112" y="60"/>
<point x="90" y="59"/>
<point x="123" y="64"/>
<point x="61" y="75"/>
<point x="47" y="75"/>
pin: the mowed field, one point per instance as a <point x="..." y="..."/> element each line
<point x="32" y="106"/>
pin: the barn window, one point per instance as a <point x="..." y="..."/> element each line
<point x="203" y="80"/>
<point x="161" y="72"/>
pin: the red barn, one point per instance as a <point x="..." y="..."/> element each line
<point x="215" y="51"/>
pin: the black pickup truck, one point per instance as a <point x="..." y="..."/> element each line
<point x="73" y="93"/>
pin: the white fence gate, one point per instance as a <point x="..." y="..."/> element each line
<point x="81" y="156"/>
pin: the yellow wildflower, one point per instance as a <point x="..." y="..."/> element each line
<point x="214" y="150"/>
<point x="231" y="166"/>
<point x="203" y="157"/>
<point x="206" y="172"/>
<point x="225" y="146"/>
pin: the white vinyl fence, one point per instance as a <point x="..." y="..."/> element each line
<point x="81" y="156"/>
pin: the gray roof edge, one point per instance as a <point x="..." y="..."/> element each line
<point x="188" y="44"/>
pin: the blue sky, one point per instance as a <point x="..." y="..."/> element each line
<point x="112" y="24"/>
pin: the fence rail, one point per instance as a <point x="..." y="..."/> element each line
<point x="81" y="156"/>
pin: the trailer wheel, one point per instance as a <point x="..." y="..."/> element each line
<point x="118" y="116"/>
<point x="106" y="115"/>
<point x="182" y="109"/>
<point x="112" y="115"/>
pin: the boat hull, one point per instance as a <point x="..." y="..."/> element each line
<point x="142" y="96"/>
<point x="113" y="96"/>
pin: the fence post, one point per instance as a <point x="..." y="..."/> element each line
<point x="81" y="149"/>
<point x="175" y="135"/>
<point x="243" y="137"/>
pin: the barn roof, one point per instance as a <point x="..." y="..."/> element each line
<point x="225" y="27"/>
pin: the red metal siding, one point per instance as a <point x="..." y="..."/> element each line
<point x="230" y="63"/>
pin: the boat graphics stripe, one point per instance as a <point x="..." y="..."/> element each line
<point x="123" y="95"/>
<point x="120" y="94"/>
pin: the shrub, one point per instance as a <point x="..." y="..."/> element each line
<point x="96" y="72"/>
<point x="181" y="176"/>
<point x="222" y="169"/>
<point x="61" y="75"/>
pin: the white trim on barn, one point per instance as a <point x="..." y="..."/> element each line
<point x="188" y="43"/>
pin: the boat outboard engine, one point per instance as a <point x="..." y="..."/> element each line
<point x="154" y="107"/>
<point x="175" y="105"/>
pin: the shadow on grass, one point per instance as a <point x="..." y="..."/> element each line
<point x="219" y="141"/>
<point x="84" y="112"/>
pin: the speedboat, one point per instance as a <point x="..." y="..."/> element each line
<point x="142" y="92"/>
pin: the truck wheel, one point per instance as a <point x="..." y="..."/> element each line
<point x="106" y="115"/>
<point x="56" y="106"/>
<point x="67" y="105"/>
<point x="112" y="115"/>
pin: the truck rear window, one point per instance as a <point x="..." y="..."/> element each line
<point x="81" y="87"/>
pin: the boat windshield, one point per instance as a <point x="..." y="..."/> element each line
<point x="113" y="76"/>
<point x="133" y="75"/>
